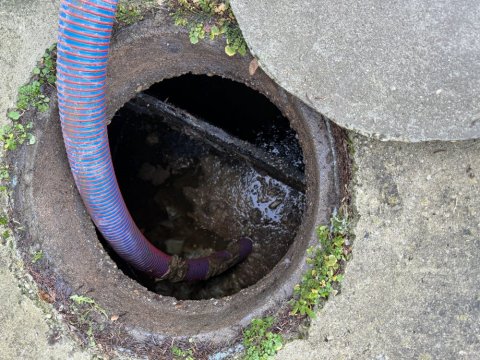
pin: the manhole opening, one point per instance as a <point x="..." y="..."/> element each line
<point x="190" y="193"/>
<point x="54" y="219"/>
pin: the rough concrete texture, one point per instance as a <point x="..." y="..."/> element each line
<point x="25" y="331"/>
<point x="411" y="290"/>
<point x="404" y="70"/>
<point x="27" y="28"/>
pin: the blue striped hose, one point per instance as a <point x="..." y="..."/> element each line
<point x="85" y="28"/>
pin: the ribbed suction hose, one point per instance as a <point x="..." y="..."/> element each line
<point x="85" y="28"/>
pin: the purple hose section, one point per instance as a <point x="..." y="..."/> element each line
<point x="85" y="28"/>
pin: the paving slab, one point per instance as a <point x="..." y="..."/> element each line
<point x="403" y="70"/>
<point x="412" y="289"/>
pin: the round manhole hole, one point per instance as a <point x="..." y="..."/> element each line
<point x="188" y="194"/>
<point x="193" y="182"/>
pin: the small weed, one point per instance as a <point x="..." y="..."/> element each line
<point x="31" y="94"/>
<point x="85" y="308"/>
<point x="260" y="342"/>
<point x="128" y="13"/>
<point x="4" y="173"/>
<point x="350" y="146"/>
<point x="16" y="134"/>
<point x="91" y="304"/>
<point x="325" y="263"/>
<point x="4" y="177"/>
<point x="181" y="354"/>
<point x="209" y="19"/>
<point x="5" y="232"/>
<point x="46" y="70"/>
<point x="37" y="256"/>
<point x="4" y="220"/>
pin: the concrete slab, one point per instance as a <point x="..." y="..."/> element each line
<point x="411" y="290"/>
<point x="404" y="70"/>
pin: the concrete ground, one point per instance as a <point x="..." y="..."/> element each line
<point x="411" y="290"/>
<point x="27" y="327"/>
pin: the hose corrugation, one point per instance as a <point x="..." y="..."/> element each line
<point x="85" y="28"/>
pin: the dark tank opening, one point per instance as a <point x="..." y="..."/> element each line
<point x="191" y="193"/>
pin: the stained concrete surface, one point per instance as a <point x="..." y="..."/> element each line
<point x="412" y="289"/>
<point x="404" y="70"/>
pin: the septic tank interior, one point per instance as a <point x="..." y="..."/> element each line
<point x="187" y="195"/>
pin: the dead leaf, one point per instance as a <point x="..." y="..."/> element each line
<point x="45" y="296"/>
<point x="252" y="68"/>
<point x="220" y="8"/>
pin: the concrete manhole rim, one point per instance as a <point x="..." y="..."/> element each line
<point x="141" y="55"/>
